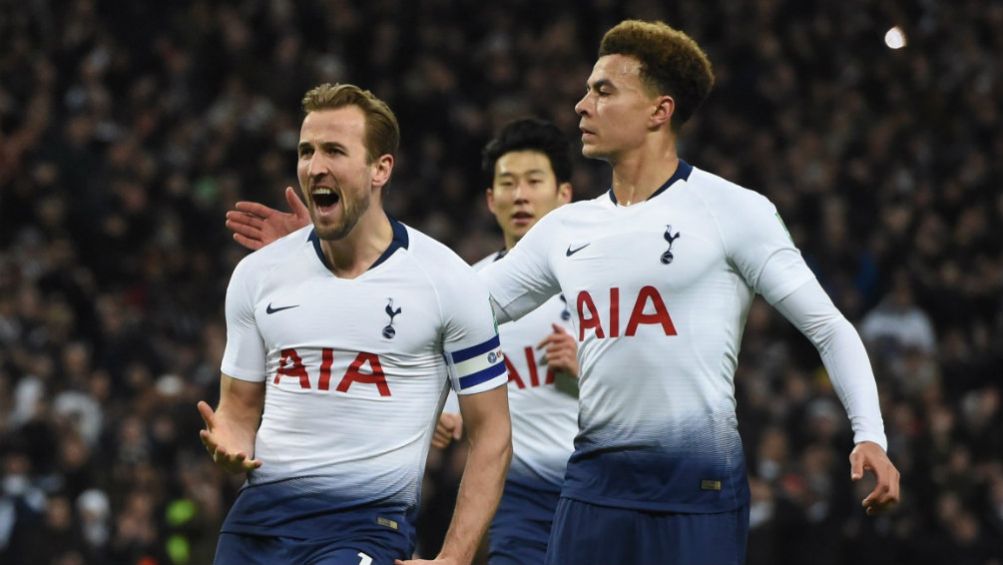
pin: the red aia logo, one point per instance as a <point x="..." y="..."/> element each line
<point x="588" y="314"/>
<point x="291" y="365"/>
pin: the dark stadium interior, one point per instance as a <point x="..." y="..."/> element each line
<point x="127" y="129"/>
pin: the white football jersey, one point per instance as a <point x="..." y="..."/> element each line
<point x="544" y="419"/>
<point x="659" y="292"/>
<point x="355" y="371"/>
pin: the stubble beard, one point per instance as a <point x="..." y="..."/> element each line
<point x="350" y="215"/>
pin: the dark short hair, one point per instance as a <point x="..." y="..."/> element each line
<point x="530" y="134"/>
<point x="382" y="131"/>
<point x="671" y="62"/>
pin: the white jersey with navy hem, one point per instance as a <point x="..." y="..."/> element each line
<point x="659" y="293"/>
<point x="355" y="371"/>
<point x="544" y="419"/>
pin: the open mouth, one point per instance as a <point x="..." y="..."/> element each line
<point x="325" y="197"/>
<point x="522" y="217"/>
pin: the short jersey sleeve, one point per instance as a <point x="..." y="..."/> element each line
<point x="760" y="247"/>
<point x="470" y="335"/>
<point x="244" y="356"/>
<point x="523" y="279"/>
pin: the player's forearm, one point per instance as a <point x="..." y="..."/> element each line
<point x="480" y="491"/>
<point x="849" y="369"/>
<point x="843" y="355"/>
<point x="241" y="404"/>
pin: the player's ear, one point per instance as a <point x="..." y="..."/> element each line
<point x="489" y="196"/>
<point x="665" y="107"/>
<point x="383" y="166"/>
<point x="564" y="192"/>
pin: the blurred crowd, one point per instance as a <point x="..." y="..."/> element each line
<point x="127" y="129"/>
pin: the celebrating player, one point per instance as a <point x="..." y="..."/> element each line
<point x="660" y="273"/>
<point x="340" y="338"/>
<point x="530" y="170"/>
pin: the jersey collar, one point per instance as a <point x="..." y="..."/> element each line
<point x="682" y="173"/>
<point x="399" y="241"/>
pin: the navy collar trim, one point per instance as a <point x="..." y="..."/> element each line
<point x="682" y="173"/>
<point x="400" y="241"/>
<point x="500" y="254"/>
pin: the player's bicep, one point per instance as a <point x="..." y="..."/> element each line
<point x="477" y="368"/>
<point x="523" y="280"/>
<point x="471" y="346"/>
<point x="245" y="353"/>
<point x="763" y="251"/>
<point x="486" y="414"/>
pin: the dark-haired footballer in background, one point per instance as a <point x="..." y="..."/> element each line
<point x="529" y="166"/>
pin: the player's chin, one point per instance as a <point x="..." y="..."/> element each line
<point x="330" y="231"/>
<point x="591" y="151"/>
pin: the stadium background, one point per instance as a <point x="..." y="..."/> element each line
<point x="128" y="128"/>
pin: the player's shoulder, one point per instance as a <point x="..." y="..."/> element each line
<point x="483" y="263"/>
<point x="433" y="256"/>
<point x="568" y="214"/>
<point x="721" y="193"/>
<point x="277" y="252"/>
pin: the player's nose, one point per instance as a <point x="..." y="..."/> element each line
<point x="318" y="167"/>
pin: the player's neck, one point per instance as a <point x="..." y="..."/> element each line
<point x="355" y="253"/>
<point x="510" y="241"/>
<point x="638" y="174"/>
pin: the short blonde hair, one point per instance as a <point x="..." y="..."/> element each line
<point x="671" y="62"/>
<point x="382" y="129"/>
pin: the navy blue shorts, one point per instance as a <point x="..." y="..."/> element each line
<point x="588" y="533"/>
<point x="521" y="527"/>
<point x="367" y="536"/>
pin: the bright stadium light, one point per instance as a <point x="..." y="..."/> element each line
<point x="894" y="38"/>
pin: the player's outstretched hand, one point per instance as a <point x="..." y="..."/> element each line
<point x="450" y="427"/>
<point x="560" y="351"/>
<point x="255" y="225"/>
<point x="228" y="448"/>
<point x="868" y="456"/>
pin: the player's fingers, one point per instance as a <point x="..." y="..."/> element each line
<point x="441" y="436"/>
<point x="246" y="224"/>
<point x="208" y="416"/>
<point x="880" y="490"/>
<point x="240" y="216"/>
<point x="255" y="208"/>
<point x="458" y="429"/>
<point x="250" y="243"/>
<point x="889" y="491"/>
<point x="244" y="230"/>
<point x="295" y="204"/>
<point x="545" y="342"/>
<point x="559" y="335"/>
<point x="895" y="493"/>
<point x="207" y="440"/>
<point x="856" y="465"/>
